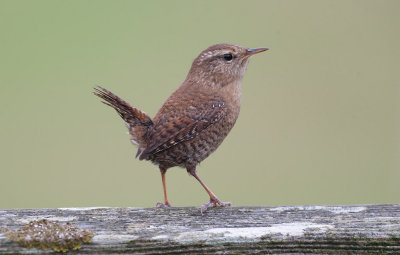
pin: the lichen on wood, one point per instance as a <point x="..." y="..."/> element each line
<point x="44" y="234"/>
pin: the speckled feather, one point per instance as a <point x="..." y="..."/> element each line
<point x="191" y="116"/>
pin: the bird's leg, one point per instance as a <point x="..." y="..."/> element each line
<point x="214" y="201"/>
<point x="166" y="204"/>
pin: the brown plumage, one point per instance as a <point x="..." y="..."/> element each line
<point x="195" y="119"/>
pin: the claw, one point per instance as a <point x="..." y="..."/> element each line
<point x="214" y="203"/>
<point x="161" y="205"/>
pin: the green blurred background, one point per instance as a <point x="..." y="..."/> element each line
<point x="320" y="119"/>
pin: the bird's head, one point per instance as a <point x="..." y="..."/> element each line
<point x="221" y="64"/>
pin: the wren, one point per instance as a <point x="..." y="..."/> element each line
<point x="195" y="119"/>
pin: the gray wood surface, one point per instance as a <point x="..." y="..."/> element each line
<point x="356" y="229"/>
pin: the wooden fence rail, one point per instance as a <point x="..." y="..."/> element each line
<point x="355" y="229"/>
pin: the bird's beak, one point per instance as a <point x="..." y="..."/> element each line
<point x="256" y="50"/>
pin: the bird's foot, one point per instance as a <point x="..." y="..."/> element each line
<point x="214" y="203"/>
<point x="162" y="205"/>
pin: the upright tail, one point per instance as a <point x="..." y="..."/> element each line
<point x="136" y="120"/>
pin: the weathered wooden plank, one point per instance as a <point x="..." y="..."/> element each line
<point x="361" y="229"/>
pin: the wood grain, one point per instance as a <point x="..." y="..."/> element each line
<point x="355" y="229"/>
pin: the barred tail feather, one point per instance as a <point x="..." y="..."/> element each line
<point x="137" y="121"/>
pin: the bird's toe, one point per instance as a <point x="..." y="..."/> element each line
<point x="214" y="203"/>
<point x="162" y="205"/>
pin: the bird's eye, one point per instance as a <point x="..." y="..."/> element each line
<point x="228" y="57"/>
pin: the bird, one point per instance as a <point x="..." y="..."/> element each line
<point x="195" y="118"/>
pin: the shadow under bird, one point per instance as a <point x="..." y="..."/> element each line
<point x="195" y="119"/>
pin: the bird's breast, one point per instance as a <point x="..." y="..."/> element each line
<point x="232" y="95"/>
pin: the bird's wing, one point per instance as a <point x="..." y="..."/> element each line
<point x="176" y="128"/>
